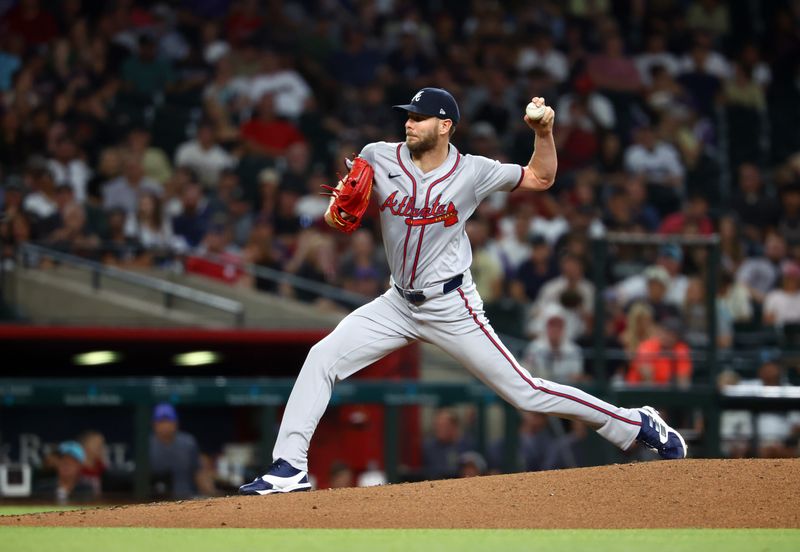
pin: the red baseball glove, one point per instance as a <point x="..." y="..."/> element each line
<point x="351" y="196"/>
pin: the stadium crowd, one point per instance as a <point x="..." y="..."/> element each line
<point x="147" y="133"/>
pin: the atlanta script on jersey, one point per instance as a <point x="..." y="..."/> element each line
<point x="423" y="215"/>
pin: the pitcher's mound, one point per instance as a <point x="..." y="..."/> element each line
<point x="683" y="493"/>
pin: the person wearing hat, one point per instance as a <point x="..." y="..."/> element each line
<point x="782" y="305"/>
<point x="174" y="455"/>
<point x="70" y="457"/>
<point x="553" y="355"/>
<point x="426" y="190"/>
<point x="670" y="259"/>
<point x="664" y="358"/>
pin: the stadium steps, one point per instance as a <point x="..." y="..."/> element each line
<point x="64" y="296"/>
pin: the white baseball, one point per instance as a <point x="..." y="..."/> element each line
<point x="534" y="112"/>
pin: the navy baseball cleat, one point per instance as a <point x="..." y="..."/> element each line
<point x="657" y="435"/>
<point x="282" y="477"/>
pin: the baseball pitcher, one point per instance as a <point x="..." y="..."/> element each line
<point x="426" y="191"/>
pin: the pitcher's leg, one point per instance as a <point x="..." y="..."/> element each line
<point x="363" y="337"/>
<point x="473" y="342"/>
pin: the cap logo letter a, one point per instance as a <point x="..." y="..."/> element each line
<point x="418" y="97"/>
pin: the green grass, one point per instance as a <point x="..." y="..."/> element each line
<point x="22" y="539"/>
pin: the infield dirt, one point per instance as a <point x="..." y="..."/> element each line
<point x="683" y="493"/>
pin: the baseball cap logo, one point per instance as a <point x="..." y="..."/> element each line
<point x="418" y="97"/>
<point x="441" y="111"/>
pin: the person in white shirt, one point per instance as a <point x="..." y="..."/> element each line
<point x="670" y="258"/>
<point x="782" y="306"/>
<point x="571" y="280"/>
<point x="67" y="168"/>
<point x="124" y="191"/>
<point x="204" y="156"/>
<point x="553" y="354"/>
<point x="656" y="54"/>
<point x="542" y="55"/>
<point x="290" y="90"/>
<point x="660" y="164"/>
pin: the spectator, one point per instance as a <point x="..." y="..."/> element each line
<point x="73" y="234"/>
<point x="760" y="274"/>
<point x="363" y="268"/>
<point x="356" y="63"/>
<point x="68" y="168"/>
<point x="441" y="452"/>
<point x="756" y="210"/>
<point x="538" y="269"/>
<point x="96" y="461"/>
<point x="582" y="115"/>
<point x="655" y="55"/>
<point x="119" y="248"/>
<point x="486" y="269"/>
<point x="670" y="259"/>
<point x="261" y="251"/>
<point x="639" y="327"/>
<point x="40" y="201"/>
<point x="710" y="16"/>
<point x="341" y="476"/>
<point x="149" y="226"/>
<point x="695" y="318"/>
<point x="204" y="156"/>
<point x="661" y="167"/>
<point x="553" y="355"/>
<point x="571" y="278"/>
<point x="155" y="162"/>
<point x="144" y="73"/>
<point x="124" y="191"/>
<point x="776" y="431"/>
<point x="782" y="306"/>
<point x="735" y="297"/>
<point x="643" y="212"/>
<point x="291" y="91"/>
<point x="789" y="222"/>
<point x="27" y="19"/>
<point x="612" y="70"/>
<point x="702" y="73"/>
<point x="195" y="218"/>
<point x="298" y="168"/>
<point x="174" y="455"/>
<point x="692" y="219"/>
<point x="541" y="54"/>
<point x="662" y="359"/>
<point x="539" y="448"/>
<point x="471" y="464"/>
<point x="69" y="487"/>
<point x="267" y="135"/>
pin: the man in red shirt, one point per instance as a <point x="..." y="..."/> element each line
<point x="662" y="359"/>
<point x="266" y="134"/>
<point x="693" y="219"/>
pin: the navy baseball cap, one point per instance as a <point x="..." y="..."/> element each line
<point x="435" y="102"/>
<point x="164" y="411"/>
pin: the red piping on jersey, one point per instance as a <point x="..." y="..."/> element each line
<point x="413" y="198"/>
<point x="529" y="382"/>
<point x="521" y="177"/>
<point x="422" y="232"/>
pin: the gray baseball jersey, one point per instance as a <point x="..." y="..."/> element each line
<point x="423" y="214"/>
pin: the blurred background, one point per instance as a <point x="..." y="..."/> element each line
<point x="165" y="266"/>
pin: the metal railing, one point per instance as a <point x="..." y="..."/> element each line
<point x="29" y="254"/>
<point x="334" y="293"/>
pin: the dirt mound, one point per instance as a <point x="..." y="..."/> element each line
<point x="686" y="493"/>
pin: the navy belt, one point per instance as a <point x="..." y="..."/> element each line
<point x="418" y="297"/>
